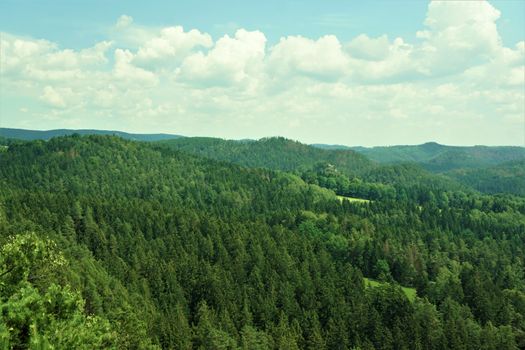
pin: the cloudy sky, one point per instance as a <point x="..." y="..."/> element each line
<point x="345" y="72"/>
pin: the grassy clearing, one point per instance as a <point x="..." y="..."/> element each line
<point x="409" y="292"/>
<point x="353" y="199"/>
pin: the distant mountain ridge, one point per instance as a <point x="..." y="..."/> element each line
<point x="433" y="164"/>
<point x="440" y="158"/>
<point x="331" y="147"/>
<point x="326" y="167"/>
<point x="488" y="169"/>
<point x="24" y="134"/>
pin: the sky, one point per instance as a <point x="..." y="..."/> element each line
<point x="334" y="71"/>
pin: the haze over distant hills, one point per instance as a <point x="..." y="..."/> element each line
<point x="276" y="153"/>
<point x="494" y="169"/>
<point x="24" y="134"/>
<point x="430" y="163"/>
<point x="438" y="158"/>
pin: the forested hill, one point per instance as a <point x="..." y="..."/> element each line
<point x="23" y="134"/>
<point x="436" y="157"/>
<point x="340" y="170"/>
<point x="485" y="169"/>
<point x="275" y="153"/>
<point x="403" y="163"/>
<point x="507" y="177"/>
<point x="108" y="243"/>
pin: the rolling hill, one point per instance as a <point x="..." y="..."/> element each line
<point x="440" y="158"/>
<point x="507" y="177"/>
<point x="275" y="153"/>
<point x="112" y="243"/>
<point x="331" y="168"/>
<point x="434" y="165"/>
<point x="23" y="134"/>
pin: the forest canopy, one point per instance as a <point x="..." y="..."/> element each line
<point x="144" y="246"/>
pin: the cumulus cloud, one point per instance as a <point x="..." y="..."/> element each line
<point x="364" y="47"/>
<point x="230" y="61"/>
<point x="506" y="68"/>
<point x="52" y="97"/>
<point x="124" y="21"/>
<point x="322" y="58"/>
<point x="397" y="64"/>
<point x="126" y="71"/>
<point x="459" y="34"/>
<point x="16" y="52"/>
<point x="443" y="15"/>
<point x="31" y="59"/>
<point x="170" y="79"/>
<point x="171" y="44"/>
<point x="69" y="59"/>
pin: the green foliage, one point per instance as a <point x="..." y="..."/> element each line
<point x="341" y="170"/>
<point x="410" y="293"/>
<point x="438" y="157"/>
<point x="273" y="153"/>
<point x="486" y="169"/>
<point x="156" y="247"/>
<point x="38" y="314"/>
<point x="25" y="258"/>
<point x="503" y="178"/>
<point x="352" y="199"/>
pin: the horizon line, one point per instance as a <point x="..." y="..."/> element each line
<point x="256" y="139"/>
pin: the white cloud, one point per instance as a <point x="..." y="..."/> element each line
<point x="443" y="15"/>
<point x="52" y="98"/>
<point x="126" y="71"/>
<point x="129" y="34"/>
<point x="367" y="48"/>
<point x="230" y="61"/>
<point x="460" y="34"/>
<point x="397" y="64"/>
<point x="171" y="44"/>
<point x="30" y="59"/>
<point x="70" y="59"/>
<point x="322" y="58"/>
<point x="167" y="79"/>
<point x="124" y="21"/>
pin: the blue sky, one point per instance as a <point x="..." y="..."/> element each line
<point x="77" y="23"/>
<point x="349" y="72"/>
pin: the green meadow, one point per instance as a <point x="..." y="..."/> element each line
<point x="409" y="292"/>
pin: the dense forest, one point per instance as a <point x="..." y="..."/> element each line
<point x="439" y="157"/>
<point x="508" y="177"/>
<point x="111" y="243"/>
<point x="487" y="169"/>
<point x="275" y="153"/>
<point x="490" y="170"/>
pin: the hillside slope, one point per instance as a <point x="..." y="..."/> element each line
<point x="340" y="170"/>
<point x="439" y="158"/>
<point x="23" y="134"/>
<point x="186" y="252"/>
<point x="507" y="177"/>
<point x="275" y="153"/>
